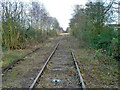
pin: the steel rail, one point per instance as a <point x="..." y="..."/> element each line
<point x="41" y="71"/>
<point x="78" y="70"/>
<point x="4" y="69"/>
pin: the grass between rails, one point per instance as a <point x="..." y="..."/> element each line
<point x="11" y="55"/>
<point x="96" y="72"/>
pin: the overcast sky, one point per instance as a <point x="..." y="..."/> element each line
<point x="61" y="9"/>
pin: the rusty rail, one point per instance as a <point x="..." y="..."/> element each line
<point x="78" y="70"/>
<point x="4" y="69"/>
<point x="43" y="68"/>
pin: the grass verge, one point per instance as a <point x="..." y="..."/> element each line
<point x="97" y="72"/>
<point x="11" y="55"/>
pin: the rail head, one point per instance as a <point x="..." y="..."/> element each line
<point x="78" y="70"/>
<point x="75" y="62"/>
<point x="43" y="68"/>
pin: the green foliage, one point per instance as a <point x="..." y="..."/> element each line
<point x="89" y="26"/>
<point x="105" y="41"/>
<point x="98" y="53"/>
<point x="30" y="34"/>
<point x="114" y="47"/>
<point x="102" y="40"/>
<point x="20" y="25"/>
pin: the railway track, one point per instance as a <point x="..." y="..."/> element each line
<point x="60" y="70"/>
<point x="10" y="66"/>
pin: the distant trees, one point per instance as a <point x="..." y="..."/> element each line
<point x="25" y="21"/>
<point x="13" y="29"/>
<point x="90" y="24"/>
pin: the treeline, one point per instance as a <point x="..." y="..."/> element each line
<point x="22" y="22"/>
<point x="91" y="25"/>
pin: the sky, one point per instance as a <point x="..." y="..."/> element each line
<point x="61" y="9"/>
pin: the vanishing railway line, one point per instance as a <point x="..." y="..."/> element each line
<point x="60" y="70"/>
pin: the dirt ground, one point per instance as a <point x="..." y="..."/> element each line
<point x="23" y="73"/>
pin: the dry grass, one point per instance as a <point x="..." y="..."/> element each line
<point x="97" y="73"/>
<point x="11" y="55"/>
<point x="23" y="73"/>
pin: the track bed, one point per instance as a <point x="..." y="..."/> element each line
<point x="60" y="71"/>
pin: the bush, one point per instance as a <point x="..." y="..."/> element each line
<point x="30" y="34"/>
<point x="102" y="40"/>
<point x="114" y="47"/>
<point x="106" y="41"/>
